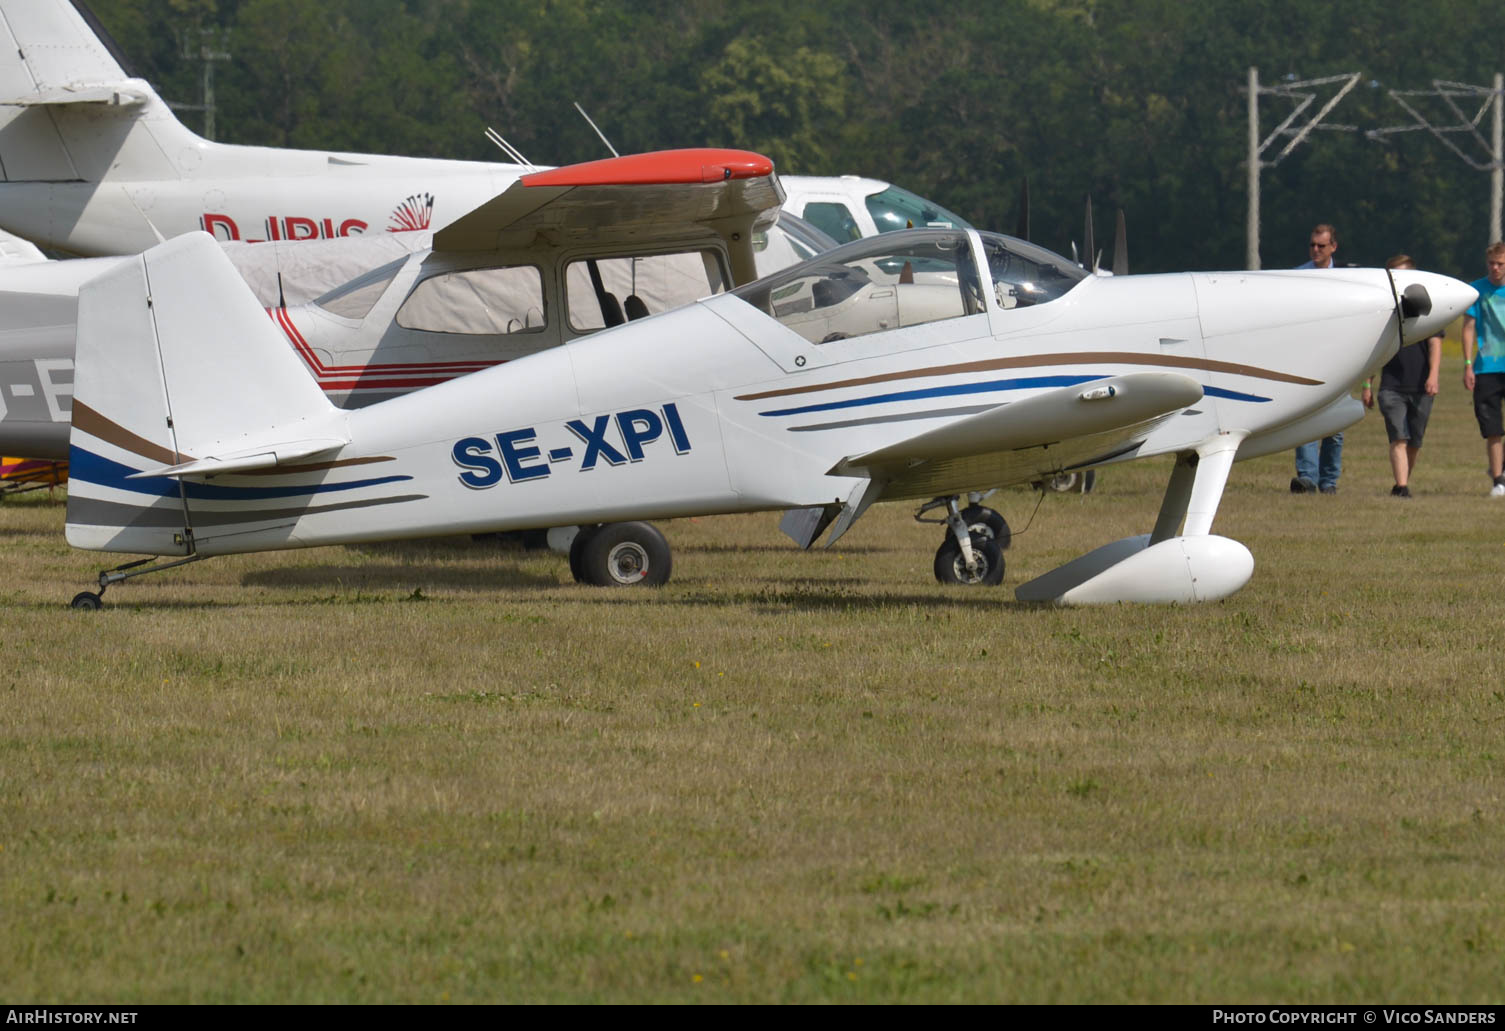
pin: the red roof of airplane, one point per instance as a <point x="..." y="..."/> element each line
<point x="693" y="165"/>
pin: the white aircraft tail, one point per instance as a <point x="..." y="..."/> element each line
<point x="53" y="44"/>
<point x="181" y="376"/>
<point x="69" y="110"/>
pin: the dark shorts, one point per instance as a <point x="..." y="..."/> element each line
<point x="1489" y="391"/>
<point x="1406" y="415"/>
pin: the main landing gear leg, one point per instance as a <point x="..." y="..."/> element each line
<point x="968" y="557"/>
<point x="88" y="600"/>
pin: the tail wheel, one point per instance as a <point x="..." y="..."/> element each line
<point x="983" y="522"/>
<point x="951" y="568"/>
<point x="625" y="555"/>
<point x="88" y="601"/>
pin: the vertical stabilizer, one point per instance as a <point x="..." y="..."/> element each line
<point x="180" y="371"/>
<point x="47" y="45"/>
<point x="69" y="112"/>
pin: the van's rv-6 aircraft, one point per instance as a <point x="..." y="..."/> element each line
<point x="919" y="364"/>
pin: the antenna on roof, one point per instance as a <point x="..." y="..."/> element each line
<point x="599" y="133"/>
<point x="508" y="149"/>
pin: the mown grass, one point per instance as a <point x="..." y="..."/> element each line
<point x="440" y="772"/>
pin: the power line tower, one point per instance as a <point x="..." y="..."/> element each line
<point x="1297" y="91"/>
<point x="1453" y="94"/>
<point x="209" y="45"/>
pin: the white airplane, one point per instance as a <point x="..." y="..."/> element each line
<point x="829" y="386"/>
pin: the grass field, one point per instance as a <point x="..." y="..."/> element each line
<point x="440" y="772"/>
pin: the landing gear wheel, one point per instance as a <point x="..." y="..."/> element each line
<point x="985" y="522"/>
<point x="951" y="568"/>
<point x="577" y="553"/>
<point x="87" y="600"/>
<point x="1073" y="483"/>
<point x="626" y="555"/>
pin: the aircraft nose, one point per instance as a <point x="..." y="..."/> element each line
<point x="1429" y="301"/>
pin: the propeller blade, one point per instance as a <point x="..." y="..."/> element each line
<point x="1021" y="228"/>
<point x="1090" y="249"/>
<point x="1121" y="246"/>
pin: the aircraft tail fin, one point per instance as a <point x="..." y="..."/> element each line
<point x="180" y="375"/>
<point x="50" y="44"/>
<point x="59" y="72"/>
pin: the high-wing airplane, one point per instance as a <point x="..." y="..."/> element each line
<point x="559" y="254"/>
<point x="93" y="162"/>
<point x="917" y="364"/>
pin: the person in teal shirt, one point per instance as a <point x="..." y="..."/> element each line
<point x="1484" y="367"/>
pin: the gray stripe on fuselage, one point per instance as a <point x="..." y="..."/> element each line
<point x="93" y="512"/>
<point x="934" y="413"/>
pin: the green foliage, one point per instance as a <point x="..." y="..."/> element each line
<point x="1141" y="105"/>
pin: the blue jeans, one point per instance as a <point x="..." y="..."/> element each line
<point x="1321" y="462"/>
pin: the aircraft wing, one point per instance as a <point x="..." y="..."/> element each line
<point x="637" y="198"/>
<point x="1026" y="440"/>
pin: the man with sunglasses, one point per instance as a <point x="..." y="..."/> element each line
<point x="1319" y="463"/>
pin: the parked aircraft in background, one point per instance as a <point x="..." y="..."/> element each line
<point x="560" y="254"/>
<point x="93" y="162"/>
<point x="849" y="207"/>
<point x="851" y="378"/>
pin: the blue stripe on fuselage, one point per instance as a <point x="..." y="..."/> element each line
<point x="88" y="467"/>
<point x="1024" y="383"/>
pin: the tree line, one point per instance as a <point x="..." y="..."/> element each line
<point x="1139" y="103"/>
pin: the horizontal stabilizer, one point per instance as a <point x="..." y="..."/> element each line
<point x="123" y="94"/>
<point x="260" y="458"/>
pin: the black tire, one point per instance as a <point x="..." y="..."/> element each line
<point x="87" y="600"/>
<point x="626" y="555"/>
<point x="986" y="522"/>
<point x="951" y="570"/>
<point x="577" y="553"/>
<point x="1089" y="480"/>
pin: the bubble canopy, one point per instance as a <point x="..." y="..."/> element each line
<point x="908" y="278"/>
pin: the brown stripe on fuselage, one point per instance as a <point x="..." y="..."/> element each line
<point x="91" y="422"/>
<point x="1173" y="361"/>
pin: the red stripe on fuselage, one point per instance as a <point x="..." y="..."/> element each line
<point x="404" y="375"/>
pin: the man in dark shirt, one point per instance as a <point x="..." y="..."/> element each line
<point x="1408" y="383"/>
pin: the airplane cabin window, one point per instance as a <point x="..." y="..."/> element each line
<point x="604" y="292"/>
<point x="484" y="301"/>
<point x="355" y="299"/>
<point x="897" y="208"/>
<point x="832" y="219"/>
<point x="873" y="285"/>
<point x="1024" y="274"/>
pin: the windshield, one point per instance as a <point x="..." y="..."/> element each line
<point x="807" y="239"/>
<point x="356" y="298"/>
<point x="868" y="286"/>
<point x="897" y="208"/>
<point x="1024" y="273"/>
